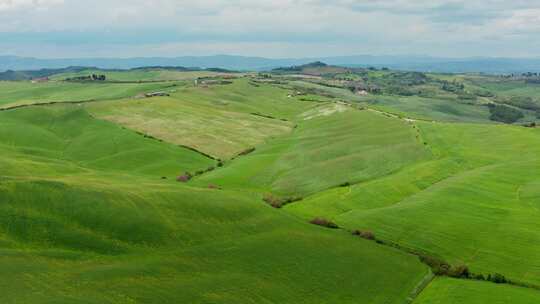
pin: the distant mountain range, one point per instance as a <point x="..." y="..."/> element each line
<point x="412" y="63"/>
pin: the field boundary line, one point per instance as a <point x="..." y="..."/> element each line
<point x="420" y="287"/>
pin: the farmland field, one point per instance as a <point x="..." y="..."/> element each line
<point x="449" y="291"/>
<point x="287" y="187"/>
<point x="140" y="75"/>
<point x="24" y="93"/>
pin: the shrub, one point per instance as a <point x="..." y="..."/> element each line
<point x="460" y="271"/>
<point x="324" y="222"/>
<point x="438" y="266"/>
<point x="368" y="235"/>
<point x="497" y="278"/>
<point x="277" y="202"/>
<point x="186" y="177"/>
<point x="273" y="201"/>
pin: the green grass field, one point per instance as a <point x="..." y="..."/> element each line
<point x="140" y="75"/>
<point x="23" y="93"/>
<point x="474" y="204"/>
<point x="83" y="220"/>
<point x="451" y="291"/>
<point x="338" y="143"/>
<point x="91" y="212"/>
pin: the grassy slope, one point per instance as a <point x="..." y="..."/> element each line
<point x="70" y="133"/>
<point x="506" y="87"/>
<point x="218" y="120"/>
<point x="439" y="109"/>
<point x="433" y="109"/>
<point x="217" y="132"/>
<point x="140" y="75"/>
<point x="332" y="144"/>
<point x="75" y="227"/>
<point x="451" y="291"/>
<point x="20" y="93"/>
<point x="474" y="204"/>
<point x="470" y="196"/>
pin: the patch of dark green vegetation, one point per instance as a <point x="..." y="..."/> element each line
<point x="280" y="202"/>
<point x="92" y="77"/>
<point x="319" y="221"/>
<point x="506" y="114"/>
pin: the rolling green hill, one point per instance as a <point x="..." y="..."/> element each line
<point x="474" y="204"/>
<point x="23" y="93"/>
<point x="143" y="74"/>
<point x="86" y="218"/>
<point x="95" y="206"/>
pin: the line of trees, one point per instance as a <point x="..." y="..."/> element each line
<point x="93" y="77"/>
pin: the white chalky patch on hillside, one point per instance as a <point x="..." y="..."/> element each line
<point x="325" y="111"/>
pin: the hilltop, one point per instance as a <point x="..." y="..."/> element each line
<point x="408" y="63"/>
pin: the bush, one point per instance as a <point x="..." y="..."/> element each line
<point x="273" y="201"/>
<point x="442" y="268"/>
<point x="324" y="222"/>
<point x="497" y="278"/>
<point x="438" y="266"/>
<point x="460" y="271"/>
<point x="277" y="202"/>
<point x="186" y="177"/>
<point x="368" y="235"/>
<point x="453" y="87"/>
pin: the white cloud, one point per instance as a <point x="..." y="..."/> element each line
<point x="6" y="5"/>
<point x="406" y="25"/>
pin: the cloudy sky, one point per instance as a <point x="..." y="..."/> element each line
<point x="276" y="28"/>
